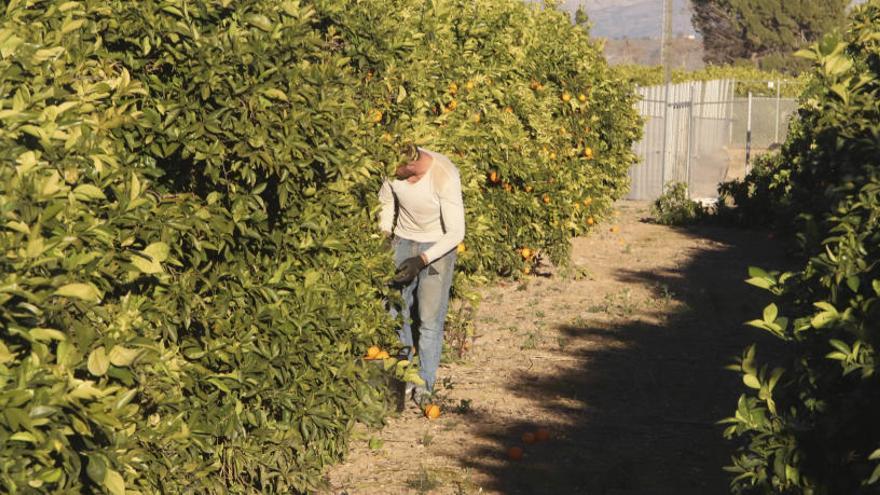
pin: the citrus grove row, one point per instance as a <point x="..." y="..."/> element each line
<point x="191" y="272"/>
<point x="810" y="419"/>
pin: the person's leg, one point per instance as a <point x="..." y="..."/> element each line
<point x="404" y="249"/>
<point x="435" y="281"/>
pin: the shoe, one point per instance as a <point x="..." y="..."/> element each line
<point x="421" y="396"/>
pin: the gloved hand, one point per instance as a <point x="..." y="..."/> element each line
<point x="409" y="270"/>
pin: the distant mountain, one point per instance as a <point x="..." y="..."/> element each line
<point x="617" y="19"/>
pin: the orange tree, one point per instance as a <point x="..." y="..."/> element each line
<point x="191" y="269"/>
<point x="809" y="423"/>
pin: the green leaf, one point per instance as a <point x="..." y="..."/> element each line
<point x="770" y="313"/>
<point x="114" y="482"/>
<point x="71" y="25"/>
<point x="149" y="260"/>
<point x="5" y="355"/>
<point x="122" y="356"/>
<point x="763" y="283"/>
<point x="46" y="334"/>
<point x="751" y="381"/>
<point x="23" y="436"/>
<point x="86" y="192"/>
<point x="98" y="362"/>
<point x="158" y="251"/>
<point x="275" y="94"/>
<point x="86" y="292"/>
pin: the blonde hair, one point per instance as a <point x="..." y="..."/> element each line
<point x="409" y="152"/>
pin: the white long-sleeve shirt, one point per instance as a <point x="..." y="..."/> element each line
<point x="429" y="210"/>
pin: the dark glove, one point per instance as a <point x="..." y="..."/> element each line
<point x="408" y="270"/>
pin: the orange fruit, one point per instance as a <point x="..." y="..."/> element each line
<point x="528" y="437"/>
<point x="587" y="201"/>
<point x="386" y="137"/>
<point x="476" y="118"/>
<point x="542" y="434"/>
<point x="526" y="253"/>
<point x="582" y="97"/>
<point x="515" y="453"/>
<point x="566" y="96"/>
<point x="432" y="411"/>
<point x="527" y="270"/>
<point x="382" y="355"/>
<point x="535" y="85"/>
<point x="373" y="351"/>
<point x="588" y="152"/>
<point x="528" y="188"/>
<point x="493" y="177"/>
<point x="507" y="186"/>
<point x="469" y="85"/>
<point x="452" y="105"/>
<point x="546" y="199"/>
<point x="460" y="248"/>
<point x="552" y="155"/>
<point x="453" y="88"/>
<point x="508" y="109"/>
<point x="590" y="221"/>
<point x="376" y="116"/>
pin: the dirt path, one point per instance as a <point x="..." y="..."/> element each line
<point x="623" y="363"/>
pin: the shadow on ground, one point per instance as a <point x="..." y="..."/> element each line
<point x="642" y="400"/>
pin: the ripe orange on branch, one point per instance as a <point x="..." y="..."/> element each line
<point x="529" y="437"/>
<point x="542" y="434"/>
<point x="373" y="351"/>
<point x="515" y="453"/>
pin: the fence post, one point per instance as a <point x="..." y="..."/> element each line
<point x="690" y="129"/>
<point x="730" y="114"/>
<point x="749" y="134"/>
<point x="666" y="137"/>
<point x="778" y="98"/>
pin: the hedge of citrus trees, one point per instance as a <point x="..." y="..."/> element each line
<point x="810" y="420"/>
<point x="748" y="78"/>
<point x="191" y="270"/>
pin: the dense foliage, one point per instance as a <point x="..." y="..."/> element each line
<point x="810" y="420"/>
<point x="191" y="270"/>
<point x="749" y="79"/>
<point x="674" y="207"/>
<point x="766" y="32"/>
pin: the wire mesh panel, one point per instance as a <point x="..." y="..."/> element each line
<point x="770" y="118"/>
<point x="681" y="140"/>
<point x="701" y="136"/>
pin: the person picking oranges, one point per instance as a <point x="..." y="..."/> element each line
<point x="422" y="212"/>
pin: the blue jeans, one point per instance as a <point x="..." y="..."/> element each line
<point x="430" y="291"/>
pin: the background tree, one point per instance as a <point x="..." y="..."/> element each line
<point x="766" y="32"/>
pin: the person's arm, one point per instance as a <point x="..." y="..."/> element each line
<point x="452" y="209"/>
<point x="386" y="214"/>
